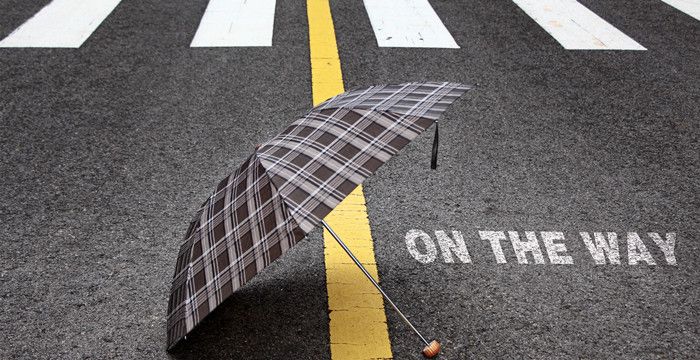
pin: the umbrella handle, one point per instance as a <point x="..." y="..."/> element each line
<point x="431" y="348"/>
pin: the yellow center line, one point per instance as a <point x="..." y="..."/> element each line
<point x="358" y="327"/>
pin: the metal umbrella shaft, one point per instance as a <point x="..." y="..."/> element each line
<point x="374" y="282"/>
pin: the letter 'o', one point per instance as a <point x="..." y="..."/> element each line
<point x="431" y="251"/>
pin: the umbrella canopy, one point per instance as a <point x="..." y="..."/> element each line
<point x="288" y="185"/>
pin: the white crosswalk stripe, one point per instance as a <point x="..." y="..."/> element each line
<point x="395" y="23"/>
<point x="231" y="23"/>
<point x="576" y="27"/>
<point x="690" y="7"/>
<point x="408" y="23"/>
<point x="61" y="24"/>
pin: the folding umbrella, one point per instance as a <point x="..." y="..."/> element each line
<point x="289" y="184"/>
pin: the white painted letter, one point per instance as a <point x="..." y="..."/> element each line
<point x="554" y="249"/>
<point x="668" y="246"/>
<point x="495" y="238"/>
<point x="521" y="247"/>
<point x="447" y="246"/>
<point x="602" y="247"/>
<point x="411" y="237"/>
<point x="636" y="250"/>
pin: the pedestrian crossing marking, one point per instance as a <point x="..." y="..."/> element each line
<point x="690" y="7"/>
<point x="398" y="23"/>
<point x="236" y="23"/>
<point x="61" y="24"/>
<point x="408" y="23"/>
<point x="357" y="321"/>
<point x="576" y="27"/>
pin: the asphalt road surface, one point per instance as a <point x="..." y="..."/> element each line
<point x="108" y="149"/>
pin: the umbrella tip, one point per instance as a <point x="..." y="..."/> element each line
<point x="432" y="349"/>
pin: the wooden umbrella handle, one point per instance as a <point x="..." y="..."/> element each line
<point x="432" y="349"/>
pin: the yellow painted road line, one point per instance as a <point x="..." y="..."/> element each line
<point x="358" y="327"/>
<point x="326" y="77"/>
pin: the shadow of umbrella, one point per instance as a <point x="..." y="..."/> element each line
<point x="281" y="314"/>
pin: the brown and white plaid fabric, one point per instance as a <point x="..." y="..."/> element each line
<point x="238" y="231"/>
<point x="282" y="191"/>
<point x="319" y="159"/>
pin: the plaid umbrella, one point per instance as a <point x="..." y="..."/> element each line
<point x="284" y="189"/>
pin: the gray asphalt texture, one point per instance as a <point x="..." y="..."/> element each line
<point x="107" y="150"/>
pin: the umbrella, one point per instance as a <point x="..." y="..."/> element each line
<point x="289" y="184"/>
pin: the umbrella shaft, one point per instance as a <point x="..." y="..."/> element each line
<point x="369" y="276"/>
